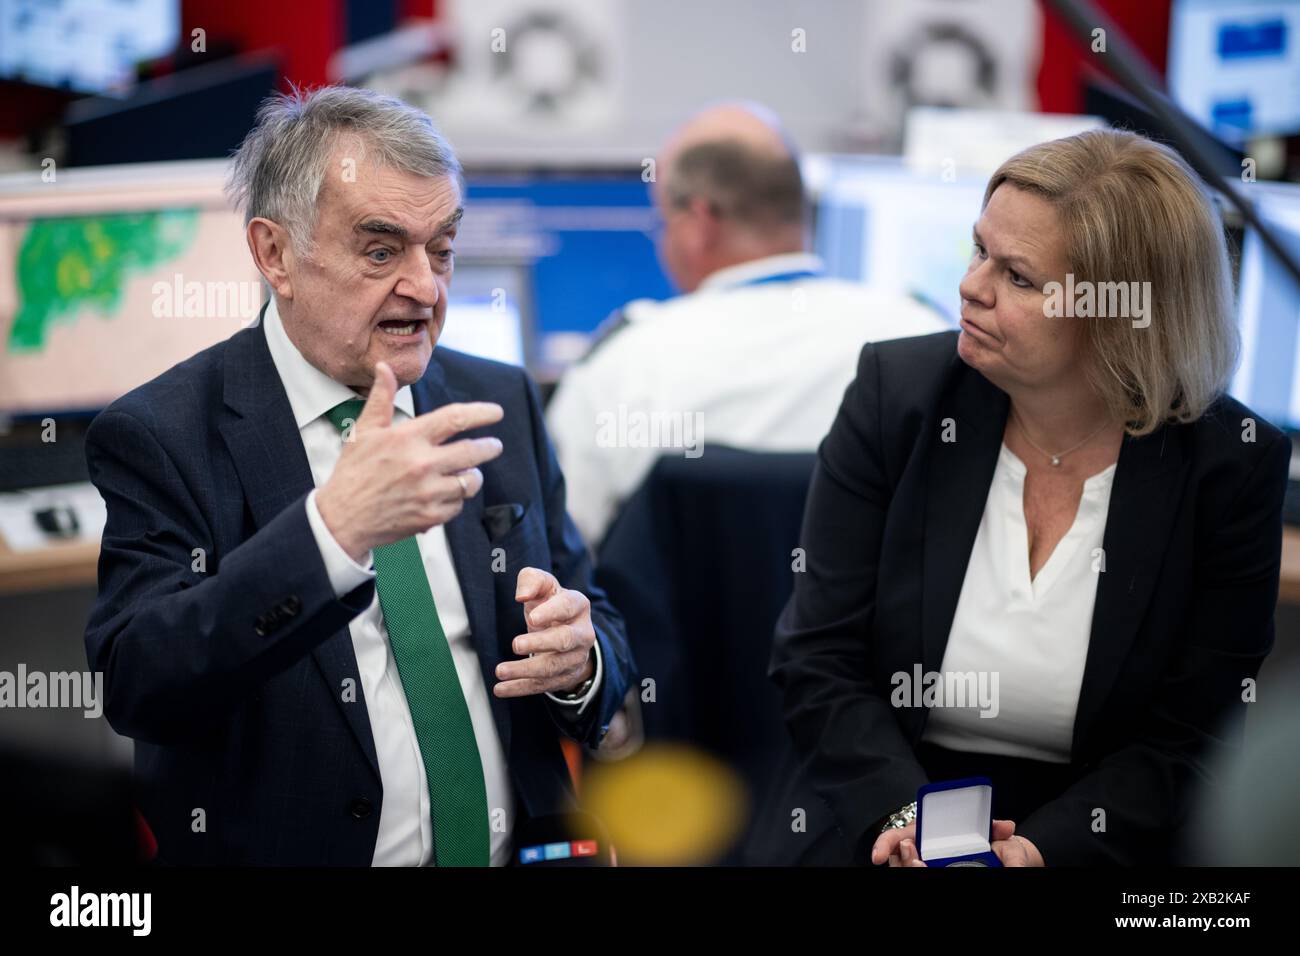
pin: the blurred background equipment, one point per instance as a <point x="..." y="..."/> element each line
<point x="568" y="247"/>
<point x="947" y="140"/>
<point x="883" y="222"/>
<point x="108" y="277"/>
<point x="1269" y="299"/>
<point x="225" y="93"/>
<point x="564" y="82"/>
<point x="91" y="46"/>
<point x="144" y="264"/>
<point x="1234" y="65"/>
<point x="957" y="55"/>
<point x="1250" y="818"/>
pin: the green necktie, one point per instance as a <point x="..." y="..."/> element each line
<point x="457" y="794"/>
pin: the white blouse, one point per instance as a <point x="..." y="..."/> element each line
<point x="1026" y="640"/>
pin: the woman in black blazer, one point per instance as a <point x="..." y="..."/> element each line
<point x="1119" y="419"/>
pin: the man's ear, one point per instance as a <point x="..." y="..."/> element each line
<point x="269" y="243"/>
<point x="708" y="222"/>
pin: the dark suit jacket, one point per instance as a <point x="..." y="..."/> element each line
<point x="1183" y="614"/>
<point x="231" y="678"/>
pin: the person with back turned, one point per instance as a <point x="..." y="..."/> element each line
<point x="757" y="349"/>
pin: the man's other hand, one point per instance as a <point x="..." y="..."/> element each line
<point x="559" y="641"/>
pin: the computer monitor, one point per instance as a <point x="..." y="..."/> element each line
<point x="580" y="244"/>
<point x="884" y="223"/>
<point x="1268" y="298"/>
<point x="139" y="127"/>
<point x="110" y="276"/>
<point x="85" y="45"/>
<point x="1234" y="65"/>
<point x="489" y="312"/>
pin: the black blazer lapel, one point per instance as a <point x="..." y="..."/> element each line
<point x="959" y="473"/>
<point x="267" y="450"/>
<point x="471" y="554"/>
<point x="1144" y="499"/>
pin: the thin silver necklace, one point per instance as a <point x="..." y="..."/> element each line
<point x="1054" y="458"/>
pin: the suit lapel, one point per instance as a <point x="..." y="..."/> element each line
<point x="1144" y="501"/>
<point x="262" y="437"/>
<point x="471" y="553"/>
<point x="268" y="453"/>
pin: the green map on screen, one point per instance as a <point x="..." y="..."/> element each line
<point x="67" y="264"/>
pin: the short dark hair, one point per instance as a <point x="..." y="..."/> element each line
<point x="754" y="187"/>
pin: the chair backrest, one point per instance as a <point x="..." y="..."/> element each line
<point x="700" y="563"/>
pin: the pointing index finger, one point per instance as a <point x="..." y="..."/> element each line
<point x="442" y="423"/>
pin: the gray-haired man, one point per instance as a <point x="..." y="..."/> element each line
<point x="383" y="531"/>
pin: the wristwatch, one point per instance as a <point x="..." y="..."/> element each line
<point x="900" y="818"/>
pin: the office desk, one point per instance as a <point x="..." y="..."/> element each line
<point x="58" y="566"/>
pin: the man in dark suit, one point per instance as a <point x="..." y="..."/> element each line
<point x="307" y="582"/>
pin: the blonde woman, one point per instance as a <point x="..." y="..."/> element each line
<point x="1055" y="511"/>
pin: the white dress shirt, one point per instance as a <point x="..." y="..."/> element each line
<point x="405" y="828"/>
<point x="1033" y="634"/>
<point x="761" y="367"/>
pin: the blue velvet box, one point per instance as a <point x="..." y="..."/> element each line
<point x="954" y="823"/>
